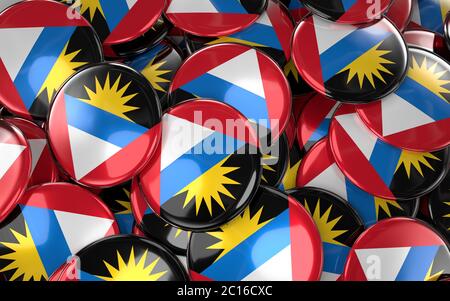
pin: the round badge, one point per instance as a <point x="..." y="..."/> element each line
<point x="240" y="76"/>
<point x="400" y="13"/>
<point x="15" y="166"/>
<point x="125" y="27"/>
<point x="427" y="40"/>
<point x="57" y="216"/>
<point x="319" y="170"/>
<point x="439" y="207"/>
<point x="299" y="103"/>
<point x="43" y="168"/>
<point x="104" y="125"/>
<point x="290" y="177"/>
<point x="205" y="171"/>
<point x="398" y="249"/>
<point x="7" y="3"/>
<point x="430" y="14"/>
<point x="158" y="65"/>
<point x="348" y="12"/>
<point x="296" y="9"/>
<point x="125" y="258"/>
<point x="417" y="115"/>
<point x="314" y="121"/>
<point x="41" y="48"/>
<point x="154" y="227"/>
<point x="118" y="201"/>
<point x="274" y="161"/>
<point x="349" y="63"/>
<point x="213" y="18"/>
<point x="290" y="131"/>
<point x="273" y="239"/>
<point x="339" y="226"/>
<point x="380" y="168"/>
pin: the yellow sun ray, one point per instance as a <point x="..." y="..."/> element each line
<point x="435" y="276"/>
<point x="132" y="271"/>
<point x="290" y="68"/>
<point x="225" y="39"/>
<point x="368" y="65"/>
<point x="411" y="159"/>
<point x="207" y="187"/>
<point x="447" y="215"/>
<point x="428" y="77"/>
<point x="25" y="258"/>
<point x="236" y="231"/>
<point x="324" y="225"/>
<point x="63" y="68"/>
<point x="110" y="98"/>
<point x="92" y="5"/>
<point x="153" y="73"/>
<point x="179" y="231"/>
<point x="266" y="161"/>
<point x="125" y="204"/>
<point x="290" y="178"/>
<point x="384" y="205"/>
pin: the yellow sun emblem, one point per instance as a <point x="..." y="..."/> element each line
<point x="447" y="215"/>
<point x="63" y="68"/>
<point x="384" y="205"/>
<point x="369" y="65"/>
<point x="290" y="68"/>
<point x="324" y="225"/>
<point x="435" y="276"/>
<point x="428" y="77"/>
<point x="267" y="161"/>
<point x="416" y="159"/>
<point x="290" y="178"/>
<point x="132" y="270"/>
<point x="25" y="258"/>
<point x="111" y="98"/>
<point x="154" y="74"/>
<point x="209" y="186"/>
<point x="125" y="204"/>
<point x="91" y="5"/>
<point x="236" y="231"/>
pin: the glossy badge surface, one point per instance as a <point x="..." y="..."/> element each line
<point x="274" y="161"/>
<point x="348" y="12"/>
<point x="51" y="223"/>
<point x="427" y="40"/>
<point x="319" y="170"/>
<point x="398" y="249"/>
<point x="124" y="258"/>
<point x="430" y="14"/>
<point x="117" y="199"/>
<point x="380" y="168"/>
<point x="40" y="49"/>
<point x="214" y="17"/>
<point x="203" y="173"/>
<point x="400" y="13"/>
<point x="356" y="64"/>
<point x="417" y="115"/>
<point x="338" y="224"/>
<point x="439" y="206"/>
<point x="104" y="125"/>
<point x="15" y="167"/>
<point x="240" y="76"/>
<point x="125" y="27"/>
<point x="152" y="226"/>
<point x="273" y="239"/>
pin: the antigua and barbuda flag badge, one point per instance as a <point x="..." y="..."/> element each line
<point x="204" y="172"/>
<point x="242" y="77"/>
<point x="417" y="115"/>
<point x="296" y="9"/>
<point x="104" y="125"/>
<point x="274" y="239"/>
<point x="51" y="223"/>
<point x="319" y="170"/>
<point x="398" y="249"/>
<point x="338" y="224"/>
<point x="123" y="258"/>
<point x="40" y="49"/>
<point x="350" y="63"/>
<point x="380" y="168"/>
<point x="118" y="200"/>
<point x="430" y="14"/>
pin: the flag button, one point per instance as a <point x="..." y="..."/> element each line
<point x="439" y="207"/>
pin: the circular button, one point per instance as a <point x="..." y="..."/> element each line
<point x="427" y="40"/>
<point x="400" y="13"/>
<point x="41" y="48"/>
<point x="273" y="239"/>
<point x="117" y="199"/>
<point x="338" y="224"/>
<point x="380" y="168"/>
<point x="213" y="18"/>
<point x="52" y="222"/>
<point x="356" y="64"/>
<point x="430" y="14"/>
<point x="242" y="77"/>
<point x="205" y="171"/>
<point x="104" y="125"/>
<point x="439" y="207"/>
<point x="398" y="249"/>
<point x="274" y="161"/>
<point x="296" y="9"/>
<point x="319" y="170"/>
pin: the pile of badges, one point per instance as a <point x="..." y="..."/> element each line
<point x="224" y="140"/>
